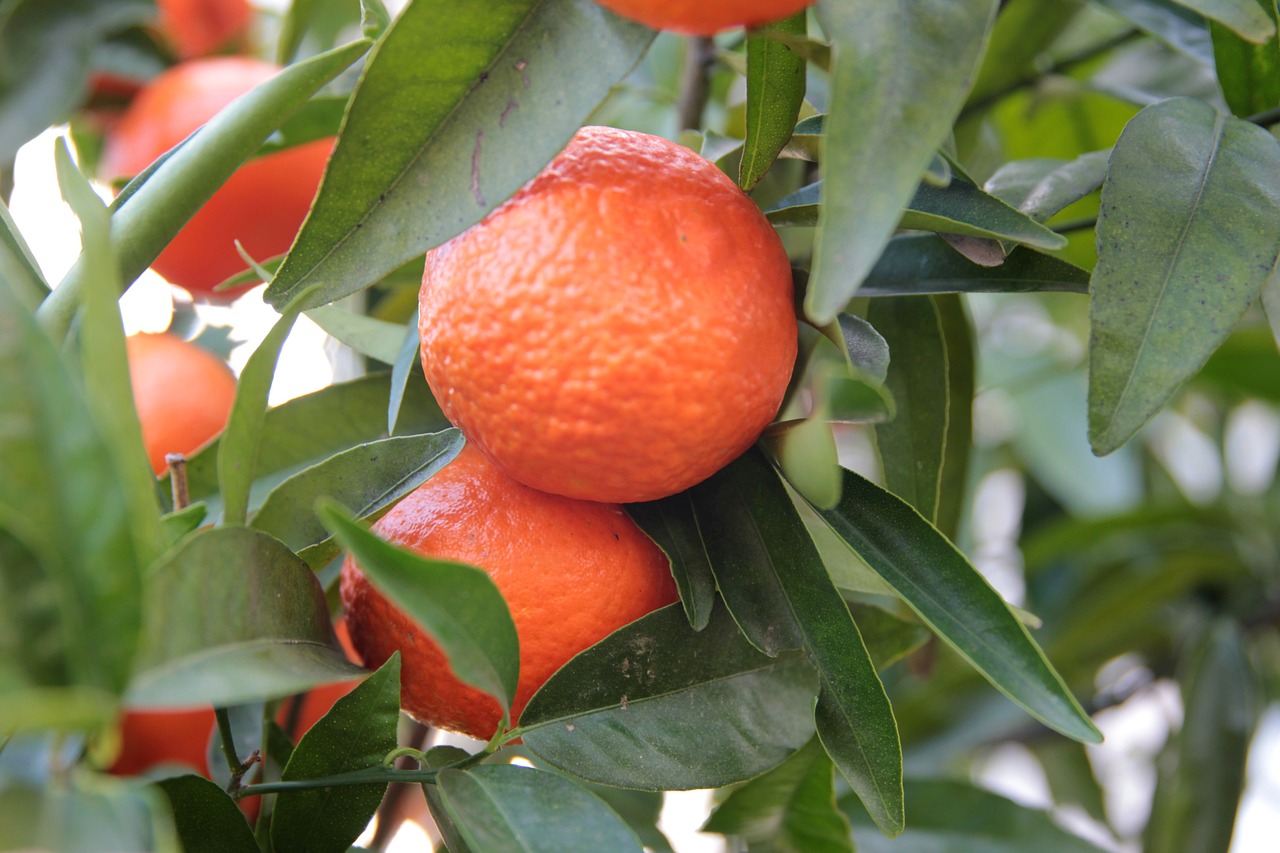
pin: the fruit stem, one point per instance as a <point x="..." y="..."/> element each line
<point x="178" y="480"/>
<point x="364" y="776"/>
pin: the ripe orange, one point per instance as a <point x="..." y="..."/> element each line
<point x="262" y="204"/>
<point x="183" y="394"/>
<point x="571" y="572"/>
<point x="704" y="17"/>
<point x="617" y="331"/>
<point x="200" y="27"/>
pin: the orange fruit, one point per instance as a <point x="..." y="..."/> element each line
<point x="617" y="331"/>
<point x="571" y="572"/>
<point x="704" y="17"/>
<point x="200" y="27"/>
<point x="263" y="203"/>
<point x="183" y="394"/>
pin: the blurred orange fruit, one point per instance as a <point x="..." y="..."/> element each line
<point x="704" y="17"/>
<point x="617" y="331"/>
<point x="200" y="27"/>
<point x="263" y="203"/>
<point x="571" y="572"/>
<point x="183" y="394"/>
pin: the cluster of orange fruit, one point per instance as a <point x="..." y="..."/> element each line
<point x="617" y="331"/>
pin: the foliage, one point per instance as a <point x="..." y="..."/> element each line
<point x="1025" y="235"/>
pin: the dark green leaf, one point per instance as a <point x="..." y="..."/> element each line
<point x="1248" y="73"/>
<point x="233" y="616"/>
<point x="790" y="809"/>
<point x="901" y="73"/>
<point x="459" y="105"/>
<point x="949" y="594"/>
<point x="18" y="267"/>
<point x="1244" y="17"/>
<point x="775" y="92"/>
<point x="658" y="706"/>
<point x="888" y="637"/>
<point x="508" y="809"/>
<point x="866" y="347"/>
<point x="107" y="814"/>
<point x="670" y="523"/>
<point x="1044" y="186"/>
<point x="438" y="757"/>
<point x="458" y="605"/>
<point x="955" y="817"/>
<point x="1202" y="771"/>
<point x="772" y="578"/>
<point x="59" y="498"/>
<point x="206" y="818"/>
<point x="962" y="208"/>
<point x="919" y="264"/>
<point x="1188" y="234"/>
<point x="356" y="733"/>
<point x="370" y="478"/>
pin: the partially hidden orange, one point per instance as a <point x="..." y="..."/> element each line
<point x="262" y="204"/>
<point x="571" y="572"/>
<point x="183" y="394"/>
<point x="704" y="17"/>
<point x="200" y="27"/>
<point x="617" y="331"/>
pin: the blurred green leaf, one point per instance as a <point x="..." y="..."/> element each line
<point x="790" y="809"/>
<point x="1249" y="73"/>
<point x="364" y="334"/>
<point x="1174" y="25"/>
<point x="18" y="268"/>
<point x="206" y="818"/>
<point x="772" y="578"/>
<point x="1202" y="770"/>
<point x="370" y="478"/>
<point x="314" y="24"/>
<point x="96" y="813"/>
<point x="458" y="106"/>
<point x="775" y="93"/>
<point x="1244" y="17"/>
<point x="901" y="74"/>
<point x="949" y="594"/>
<point x="888" y="637"/>
<point x="670" y="523"/>
<point x="1168" y="287"/>
<point x="1070" y="775"/>
<point x="232" y="616"/>
<point x="355" y="734"/>
<point x="1021" y="38"/>
<point x="509" y="809"/>
<point x="922" y="263"/>
<point x="658" y="706"/>
<point x="806" y="453"/>
<point x="458" y="605"/>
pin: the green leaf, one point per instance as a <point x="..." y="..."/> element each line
<point x="957" y="817"/>
<point x="48" y="53"/>
<point x="370" y="478"/>
<point x="105" y="363"/>
<point x="319" y="118"/>
<point x="772" y="578"/>
<point x="901" y="73"/>
<point x="59" y="499"/>
<point x="962" y="208"/>
<point x="1187" y="236"/>
<point x="304" y="431"/>
<point x="775" y="93"/>
<point x="1202" y="771"/>
<point x="438" y="757"/>
<point x="1043" y="186"/>
<point x="658" y="706"/>
<point x="18" y="267"/>
<point x="56" y="709"/>
<point x="205" y="816"/>
<point x="156" y="204"/>
<point x="949" y="594"/>
<point x="233" y="616"/>
<point x="459" y="105"/>
<point x="922" y="263"/>
<point x="1023" y="35"/>
<point x="888" y="637"/>
<point x="99" y="813"/>
<point x="1167" y="22"/>
<point x="458" y="605"/>
<point x="509" y="809"/>
<point x="401" y="370"/>
<point x="1244" y="17"/>
<point x="364" y="334"/>
<point x="241" y="439"/>
<point x="1248" y="73"/>
<point x="806" y="454"/>
<point x="790" y="809"/>
<point x="670" y="523"/>
<point x="356" y="733"/>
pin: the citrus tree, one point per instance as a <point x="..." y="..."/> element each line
<point x="1034" y="239"/>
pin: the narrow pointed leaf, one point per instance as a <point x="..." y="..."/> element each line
<point x="364" y="334"/>
<point x="459" y="105"/>
<point x="901" y="73"/>
<point x="1244" y="17"/>
<point x="508" y="809"/>
<point x="807" y="455"/>
<point x="1248" y="73"/>
<point x="1188" y="234"/>
<point x="356" y="733"/>
<point x="205" y="816"/>
<point x="775" y="92"/>
<point x="670" y="523"/>
<point x="1043" y="186"/>
<point x="772" y="578"/>
<point x="949" y="594"/>
<point x="962" y="208"/>
<point x="922" y="263"/>
<point x="658" y="706"/>
<point x="232" y="616"/>
<point x="369" y="478"/>
<point x="401" y="371"/>
<point x="458" y="605"/>
<point x="18" y="267"/>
